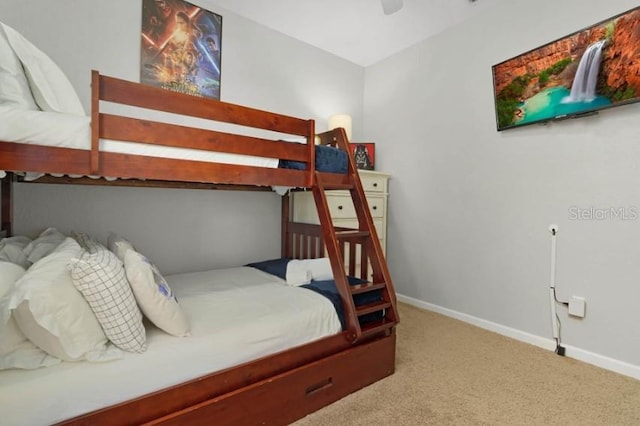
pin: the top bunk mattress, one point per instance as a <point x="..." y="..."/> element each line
<point x="236" y="314"/>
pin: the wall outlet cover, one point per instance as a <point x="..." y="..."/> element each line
<point x="577" y="306"/>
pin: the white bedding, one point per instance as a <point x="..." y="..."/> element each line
<point x="236" y="315"/>
<point x="73" y="131"/>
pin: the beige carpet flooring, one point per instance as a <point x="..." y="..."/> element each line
<point x="452" y="373"/>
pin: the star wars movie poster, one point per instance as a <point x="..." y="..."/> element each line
<point x="181" y="47"/>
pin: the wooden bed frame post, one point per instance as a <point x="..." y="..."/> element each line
<point x="94" y="164"/>
<point x="284" y="227"/>
<point x="311" y="142"/>
<point x="7" y="205"/>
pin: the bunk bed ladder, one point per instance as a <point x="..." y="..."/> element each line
<point x="379" y="315"/>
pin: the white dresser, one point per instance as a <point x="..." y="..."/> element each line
<point x="375" y="185"/>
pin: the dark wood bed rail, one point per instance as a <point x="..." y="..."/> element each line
<point x="131" y="129"/>
<point x="6" y="206"/>
<point x="305" y="241"/>
<point x="139" y="95"/>
<point x="128" y="128"/>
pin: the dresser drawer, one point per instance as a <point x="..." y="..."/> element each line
<point x="376" y="206"/>
<point x="373" y="183"/>
<point x="341" y="206"/>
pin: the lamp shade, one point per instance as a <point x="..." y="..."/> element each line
<point x="341" y="120"/>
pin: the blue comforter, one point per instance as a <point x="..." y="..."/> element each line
<point x="328" y="159"/>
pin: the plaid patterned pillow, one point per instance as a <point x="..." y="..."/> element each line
<point x="101" y="279"/>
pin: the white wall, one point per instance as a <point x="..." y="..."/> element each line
<point x="180" y="230"/>
<point x="470" y="207"/>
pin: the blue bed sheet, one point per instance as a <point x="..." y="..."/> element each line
<point x="327" y="288"/>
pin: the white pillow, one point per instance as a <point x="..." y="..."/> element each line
<point x="46" y="242"/>
<point x="302" y="271"/>
<point x="14" y="87"/>
<point x="154" y="295"/>
<point x="320" y="268"/>
<point x="297" y="273"/>
<point x="12" y="250"/>
<point x="118" y="245"/>
<point x="53" y="314"/>
<point x="100" y="277"/>
<point x="11" y="335"/>
<point x="15" y="350"/>
<point x="51" y="89"/>
<point x="19" y="240"/>
<point x="55" y="128"/>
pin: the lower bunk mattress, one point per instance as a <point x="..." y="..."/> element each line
<point x="236" y="315"/>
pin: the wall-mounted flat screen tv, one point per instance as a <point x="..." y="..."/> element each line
<point x="577" y="75"/>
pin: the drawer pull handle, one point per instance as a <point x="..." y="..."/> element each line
<point x="324" y="384"/>
<point x="339" y="207"/>
<point x="375" y="184"/>
<point x="375" y="207"/>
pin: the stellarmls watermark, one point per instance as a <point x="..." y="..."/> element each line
<point x="608" y="213"/>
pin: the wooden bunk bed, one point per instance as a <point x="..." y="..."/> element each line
<point x="302" y="379"/>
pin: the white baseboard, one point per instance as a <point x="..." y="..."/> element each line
<point x="598" y="360"/>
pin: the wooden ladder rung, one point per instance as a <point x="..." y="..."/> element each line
<point x="377" y="327"/>
<point x="372" y="307"/>
<point x="366" y="287"/>
<point x="337" y="186"/>
<point x="335" y="181"/>
<point x="352" y="234"/>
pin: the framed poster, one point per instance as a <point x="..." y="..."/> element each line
<point x="181" y="47"/>
<point x="364" y="153"/>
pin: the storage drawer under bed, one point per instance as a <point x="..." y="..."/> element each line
<point x="289" y="396"/>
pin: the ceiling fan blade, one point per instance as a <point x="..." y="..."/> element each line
<point x="391" y="6"/>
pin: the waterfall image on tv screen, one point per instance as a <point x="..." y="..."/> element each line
<point x="592" y="69"/>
